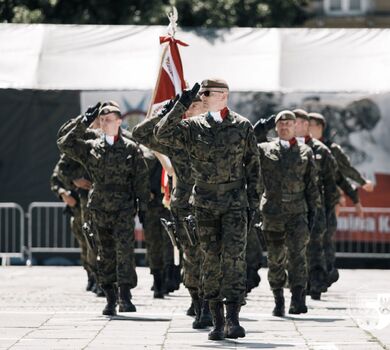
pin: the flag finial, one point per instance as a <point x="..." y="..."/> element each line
<point x="172" y="16"/>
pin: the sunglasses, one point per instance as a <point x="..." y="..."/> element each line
<point x="207" y="93"/>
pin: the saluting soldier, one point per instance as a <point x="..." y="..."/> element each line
<point x="179" y="205"/>
<point x="120" y="187"/>
<point x="225" y="166"/>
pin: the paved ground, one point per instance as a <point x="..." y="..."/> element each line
<point x="46" y="308"/>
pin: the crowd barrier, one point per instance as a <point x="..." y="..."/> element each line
<point x="48" y="231"/>
<point x="12" y="244"/>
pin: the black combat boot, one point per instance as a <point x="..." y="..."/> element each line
<point x="169" y="280"/>
<point x="205" y="317"/>
<point x="190" y="310"/>
<point x="298" y="301"/>
<point x="198" y="310"/>
<point x="333" y="276"/>
<point x="158" y="291"/>
<point x="217" y="312"/>
<point x="232" y="326"/>
<point x="252" y="279"/>
<point x="110" y="292"/>
<point x="91" y="282"/>
<point x="318" y="282"/>
<point x="279" y="303"/>
<point x="125" y="304"/>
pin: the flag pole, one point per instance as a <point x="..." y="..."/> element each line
<point x="158" y="80"/>
<point x="172" y="16"/>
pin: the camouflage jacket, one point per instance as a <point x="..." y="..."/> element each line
<point x="348" y="189"/>
<point x="223" y="156"/>
<point x="326" y="169"/>
<point x="59" y="183"/>
<point x="118" y="172"/>
<point x="180" y="159"/>
<point x="345" y="165"/>
<point x="154" y="171"/>
<point x="289" y="179"/>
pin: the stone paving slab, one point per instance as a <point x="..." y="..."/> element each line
<point x="47" y="308"/>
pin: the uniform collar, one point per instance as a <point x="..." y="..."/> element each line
<point x="288" y="144"/>
<point x="220" y="115"/>
<point x="304" y="139"/>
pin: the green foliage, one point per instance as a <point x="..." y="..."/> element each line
<point x="205" y="13"/>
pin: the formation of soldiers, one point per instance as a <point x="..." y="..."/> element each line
<point x="234" y="191"/>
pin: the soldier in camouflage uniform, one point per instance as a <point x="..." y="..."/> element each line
<point x="288" y="206"/>
<point x="77" y="177"/>
<point x="225" y="166"/>
<point x="179" y="206"/>
<point x="326" y="168"/>
<point x="344" y="170"/>
<point x="63" y="187"/>
<point x="158" y="245"/>
<point x="120" y="185"/>
<point x="255" y="239"/>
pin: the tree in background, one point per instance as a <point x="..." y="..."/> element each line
<point x="201" y="13"/>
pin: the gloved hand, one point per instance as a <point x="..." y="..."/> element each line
<point x="168" y="106"/>
<point x="262" y="127"/>
<point x="91" y="113"/>
<point x="188" y="96"/>
<point x="141" y="216"/>
<point x="311" y="217"/>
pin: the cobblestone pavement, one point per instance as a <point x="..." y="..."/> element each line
<point x="47" y="308"/>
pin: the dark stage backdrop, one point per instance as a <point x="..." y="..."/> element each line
<point x="29" y="120"/>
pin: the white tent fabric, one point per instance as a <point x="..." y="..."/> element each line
<point x="95" y="57"/>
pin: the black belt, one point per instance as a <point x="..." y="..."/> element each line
<point x="287" y="197"/>
<point x="112" y="188"/>
<point x="227" y="186"/>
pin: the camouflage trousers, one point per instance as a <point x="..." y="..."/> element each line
<point x="158" y="245"/>
<point x="315" y="252"/>
<point x="76" y="224"/>
<point x="90" y="253"/>
<point x="287" y="237"/>
<point x="115" y="244"/>
<point x="192" y="255"/>
<point x="222" y="235"/>
<point x="330" y="254"/>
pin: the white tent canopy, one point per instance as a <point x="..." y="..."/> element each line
<point x="96" y="57"/>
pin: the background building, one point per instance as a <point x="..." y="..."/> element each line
<point x="349" y="14"/>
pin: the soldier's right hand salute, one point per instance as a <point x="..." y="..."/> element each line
<point x="91" y="113"/>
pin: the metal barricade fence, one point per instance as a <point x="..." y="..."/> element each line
<point x="366" y="237"/>
<point x="49" y="229"/>
<point x="11" y="232"/>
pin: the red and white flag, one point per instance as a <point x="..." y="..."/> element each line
<point x="170" y="82"/>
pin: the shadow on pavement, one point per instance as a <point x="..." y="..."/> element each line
<point x="142" y="319"/>
<point x="231" y="344"/>
<point x="321" y="320"/>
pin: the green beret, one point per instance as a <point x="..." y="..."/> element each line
<point x="318" y="117"/>
<point x="285" y="115"/>
<point x="214" y="84"/>
<point x="300" y="113"/>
